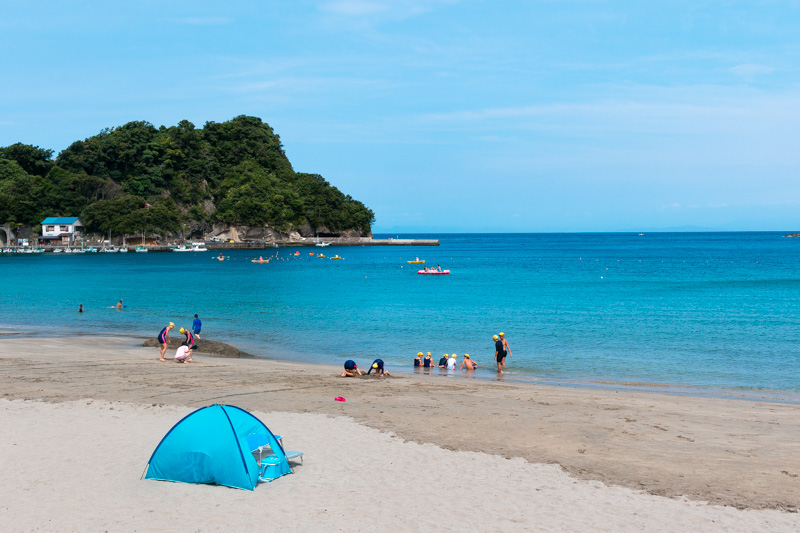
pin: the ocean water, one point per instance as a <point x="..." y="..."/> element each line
<point x="700" y="313"/>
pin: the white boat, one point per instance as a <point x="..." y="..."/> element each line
<point x="141" y="249"/>
<point x="322" y="244"/>
<point x="123" y="250"/>
<point x="110" y="249"/>
<point x="181" y="248"/>
<point x="67" y="250"/>
<point x="58" y="250"/>
<point x="199" y="247"/>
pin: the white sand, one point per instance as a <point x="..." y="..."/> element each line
<point x="76" y="466"/>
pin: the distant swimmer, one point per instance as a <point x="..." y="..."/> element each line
<point x="80" y="308"/>
<point x="377" y="366"/>
<point x="163" y="339"/>
<point x="119" y="304"/>
<point x="471" y="365"/>
<point x="350" y="369"/>
<point x="506" y="347"/>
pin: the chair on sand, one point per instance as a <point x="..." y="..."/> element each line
<point x="267" y="460"/>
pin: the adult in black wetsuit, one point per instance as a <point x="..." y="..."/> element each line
<point x="499" y="352"/>
<point x="443" y="361"/>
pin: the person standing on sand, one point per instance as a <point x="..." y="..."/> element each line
<point x="163" y="339"/>
<point x="506" y="347"/>
<point x="499" y="352"/>
<point x="471" y="365"/>
<point x="189" y="338"/>
<point x="196" y="325"/>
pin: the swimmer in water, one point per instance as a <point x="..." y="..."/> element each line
<point x="119" y="304"/>
<point x="470" y="364"/>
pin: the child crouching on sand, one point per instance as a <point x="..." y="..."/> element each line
<point x="350" y="369"/>
<point x="182" y="353"/>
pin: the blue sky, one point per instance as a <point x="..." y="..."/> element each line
<point x="447" y="115"/>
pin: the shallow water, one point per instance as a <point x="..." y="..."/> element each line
<point x="698" y="312"/>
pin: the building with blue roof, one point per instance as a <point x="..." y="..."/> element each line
<point x="61" y="229"/>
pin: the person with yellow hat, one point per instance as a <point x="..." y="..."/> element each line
<point x="443" y="361"/>
<point x="499" y="352"/>
<point x="506" y="347"/>
<point x="427" y="362"/>
<point x="418" y="360"/>
<point x="377" y="366"/>
<point x="451" y="363"/>
<point x="470" y="364"/>
<point x="163" y="339"/>
<point x="189" y="339"/>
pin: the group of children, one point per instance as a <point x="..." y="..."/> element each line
<point x="447" y="361"/>
<point x="184" y="352"/>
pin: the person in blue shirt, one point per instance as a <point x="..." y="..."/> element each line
<point x="350" y="369"/>
<point x="377" y="366"/>
<point x="499" y="352"/>
<point x="196" y="325"/>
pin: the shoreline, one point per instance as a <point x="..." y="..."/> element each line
<point x="727" y="452"/>
<point x="748" y="395"/>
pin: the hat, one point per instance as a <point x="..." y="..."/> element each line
<point x="181" y="330"/>
<point x="447" y="355"/>
<point x="172" y="324"/>
<point x="494" y="337"/>
<point x="502" y="334"/>
<point x="454" y="356"/>
<point x="420" y="353"/>
<point x="374" y="365"/>
<point x="466" y="355"/>
<point x="429" y="353"/>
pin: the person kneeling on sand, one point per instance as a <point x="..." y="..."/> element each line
<point x="471" y="365"/>
<point x="350" y="369"/>
<point x="377" y="366"/>
<point x="183" y="354"/>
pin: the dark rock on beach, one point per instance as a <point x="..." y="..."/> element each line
<point x="204" y="346"/>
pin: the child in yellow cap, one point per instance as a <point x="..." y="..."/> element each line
<point x="163" y="339"/>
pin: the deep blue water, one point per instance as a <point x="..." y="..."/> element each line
<point x="698" y="312"/>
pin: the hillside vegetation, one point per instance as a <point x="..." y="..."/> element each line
<point x="230" y="173"/>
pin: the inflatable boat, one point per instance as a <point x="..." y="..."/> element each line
<point x="433" y="272"/>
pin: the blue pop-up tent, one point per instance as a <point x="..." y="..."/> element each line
<point x="210" y="445"/>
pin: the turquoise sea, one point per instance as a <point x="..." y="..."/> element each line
<point x="696" y="313"/>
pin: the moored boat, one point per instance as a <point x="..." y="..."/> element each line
<point x="433" y="272"/>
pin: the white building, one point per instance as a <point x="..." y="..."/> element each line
<point x="61" y="230"/>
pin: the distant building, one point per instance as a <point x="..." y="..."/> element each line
<point x="60" y="230"/>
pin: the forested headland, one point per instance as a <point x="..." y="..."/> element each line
<point x="168" y="179"/>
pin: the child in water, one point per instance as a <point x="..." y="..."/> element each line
<point x="418" y="360"/>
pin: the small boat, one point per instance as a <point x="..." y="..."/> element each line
<point x="111" y="249"/>
<point x="337" y="257"/>
<point x="433" y="272"/>
<point x="322" y="244"/>
<point x="123" y="250"/>
<point x="181" y="248"/>
<point x="57" y="250"/>
<point x="199" y="247"/>
<point x="297" y="252"/>
<point x="416" y="262"/>
<point x="141" y="249"/>
<point x="67" y="250"/>
<point x="321" y="256"/>
<point x="221" y="257"/>
<point x="259" y="260"/>
<point x="310" y="253"/>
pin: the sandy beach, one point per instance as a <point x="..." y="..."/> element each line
<point x="81" y="416"/>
